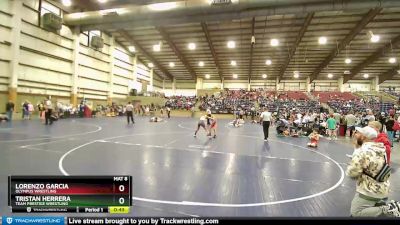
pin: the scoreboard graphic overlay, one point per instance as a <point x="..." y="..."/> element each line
<point x="77" y="194"/>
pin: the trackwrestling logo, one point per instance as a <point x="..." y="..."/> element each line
<point x="33" y="220"/>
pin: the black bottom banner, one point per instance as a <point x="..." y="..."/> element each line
<point x="205" y="221"/>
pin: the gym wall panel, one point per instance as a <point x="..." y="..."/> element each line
<point x="120" y="80"/>
<point x="43" y="75"/>
<point x="122" y="72"/>
<point x="292" y="85"/>
<point x="40" y="91"/>
<point x="31" y="3"/>
<point x="359" y="85"/>
<point x="92" y="96"/>
<point x="157" y="89"/>
<point x="41" y="88"/>
<point x="157" y="83"/>
<point x="121" y="90"/>
<point x="121" y="55"/>
<point x="167" y="85"/>
<point x="3" y="80"/>
<point x="5" y="6"/>
<point x="123" y="65"/>
<point x="186" y="92"/>
<point x="185" y="85"/>
<point x="3" y="84"/>
<point x="102" y="87"/>
<point x="120" y="99"/>
<point x="211" y="85"/>
<point x="5" y="20"/>
<point x="93" y="62"/>
<point x="86" y="72"/>
<point x="83" y="50"/>
<point x="29" y="15"/>
<point x="45" y="62"/>
<point x="40" y="45"/>
<point x="93" y="92"/>
<point x="265" y="84"/>
<point x="236" y="85"/>
<point x="5" y="34"/>
<point x="83" y="39"/>
<point x="143" y="72"/>
<point x="48" y="36"/>
<point x="5" y="51"/>
<point x="324" y="85"/>
<point x="390" y="83"/>
<point x="180" y="92"/>
<point x="3" y="99"/>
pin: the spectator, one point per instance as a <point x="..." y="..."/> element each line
<point x="382" y="138"/>
<point x="364" y="166"/>
<point x="389" y="128"/>
<point x="10" y="110"/>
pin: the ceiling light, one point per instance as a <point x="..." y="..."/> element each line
<point x="102" y="1"/>
<point x="233" y="63"/>
<point x="296" y="74"/>
<point x="392" y="60"/>
<point x="67" y="3"/>
<point x="231" y="44"/>
<point x="171" y="64"/>
<point x="201" y="63"/>
<point x="235" y="76"/>
<point x="268" y="62"/>
<point x="264" y="76"/>
<point x="162" y="6"/>
<point x="157" y="48"/>
<point x="347" y="61"/>
<point x="192" y="46"/>
<point x="330" y="75"/>
<point x="366" y="75"/>
<point x="151" y="65"/>
<point x="207" y="76"/>
<point x="132" y="48"/>
<point x="322" y="40"/>
<point x="375" y="38"/>
<point x="347" y="72"/>
<point x="274" y="42"/>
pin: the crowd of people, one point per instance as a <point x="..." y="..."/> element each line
<point x="180" y="102"/>
<point x="373" y="129"/>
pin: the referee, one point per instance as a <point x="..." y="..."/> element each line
<point x="129" y="112"/>
<point x="265" y="117"/>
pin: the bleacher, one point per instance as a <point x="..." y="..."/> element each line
<point x="180" y="102"/>
<point x="292" y="95"/>
<point x="393" y="93"/>
<point x="325" y="97"/>
<point x="229" y="101"/>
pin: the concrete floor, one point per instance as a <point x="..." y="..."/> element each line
<point x="175" y="174"/>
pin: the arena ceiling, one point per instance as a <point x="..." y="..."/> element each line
<point x="349" y="26"/>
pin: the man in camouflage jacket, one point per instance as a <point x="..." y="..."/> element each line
<point x="371" y="195"/>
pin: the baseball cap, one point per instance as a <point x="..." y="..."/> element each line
<point x="367" y="131"/>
